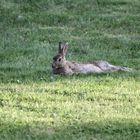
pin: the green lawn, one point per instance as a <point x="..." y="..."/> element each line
<point x="36" y="105"/>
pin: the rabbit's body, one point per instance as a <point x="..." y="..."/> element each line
<point x="73" y="67"/>
<point x="85" y="68"/>
<point x="62" y="66"/>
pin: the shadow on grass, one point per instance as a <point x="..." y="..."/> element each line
<point x="93" y="130"/>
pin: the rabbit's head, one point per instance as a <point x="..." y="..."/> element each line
<point x="59" y="61"/>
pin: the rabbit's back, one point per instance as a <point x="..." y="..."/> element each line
<point x="94" y="67"/>
<point x="83" y="67"/>
<point x="89" y="68"/>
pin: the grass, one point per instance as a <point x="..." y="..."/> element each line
<point x="34" y="104"/>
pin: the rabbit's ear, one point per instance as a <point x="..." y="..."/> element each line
<point x="62" y="49"/>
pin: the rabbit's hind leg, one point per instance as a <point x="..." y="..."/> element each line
<point x="107" y="67"/>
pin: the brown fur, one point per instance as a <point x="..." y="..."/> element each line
<point x="62" y="66"/>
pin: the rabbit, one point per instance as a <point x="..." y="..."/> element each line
<point x="61" y="66"/>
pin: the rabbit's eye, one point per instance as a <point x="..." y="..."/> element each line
<point x="59" y="59"/>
